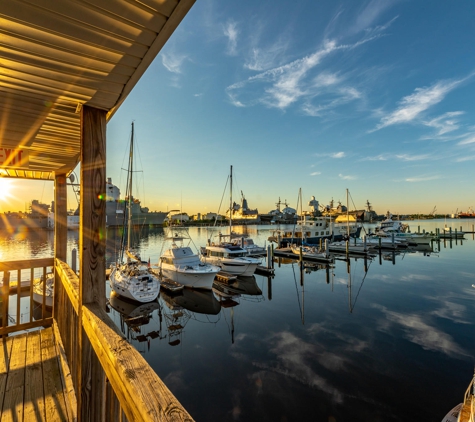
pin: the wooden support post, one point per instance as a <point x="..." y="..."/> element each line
<point x="60" y="232"/>
<point x="92" y="241"/>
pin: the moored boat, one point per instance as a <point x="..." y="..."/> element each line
<point x="44" y="290"/>
<point x="132" y="278"/>
<point x="180" y="264"/>
<point x="230" y="258"/>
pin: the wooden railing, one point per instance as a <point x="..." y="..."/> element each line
<point x="18" y="279"/>
<point x="117" y="383"/>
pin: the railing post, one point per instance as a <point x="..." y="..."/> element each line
<point x="5" y="297"/>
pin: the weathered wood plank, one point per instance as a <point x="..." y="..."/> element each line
<point x="13" y="401"/>
<point x="25" y="264"/>
<point x="60" y="217"/>
<point x="13" y="405"/>
<point x="27" y="326"/>
<point x="34" y="403"/>
<point x="92" y="239"/>
<point x="55" y="405"/>
<point x="70" y="282"/>
<point x="142" y="394"/>
<point x="70" y="394"/>
<point x="7" y="344"/>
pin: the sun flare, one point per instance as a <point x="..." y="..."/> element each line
<point x="6" y="188"/>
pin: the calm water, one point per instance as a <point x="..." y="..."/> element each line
<point x="389" y="340"/>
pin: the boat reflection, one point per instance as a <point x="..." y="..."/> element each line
<point x="135" y="317"/>
<point x="197" y="301"/>
<point x="245" y="287"/>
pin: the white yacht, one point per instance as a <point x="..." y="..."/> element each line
<point x="180" y="264"/>
<point x="230" y="258"/>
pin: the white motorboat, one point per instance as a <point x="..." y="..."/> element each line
<point x="354" y="246"/>
<point x="132" y="278"/>
<point x="180" y="264"/>
<point x="230" y="258"/>
<point x="248" y="244"/>
<point x="310" y="252"/>
<point x="44" y="290"/>
<point x="389" y="226"/>
<point x="386" y="242"/>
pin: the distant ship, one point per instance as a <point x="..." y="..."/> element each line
<point x="115" y="211"/>
<point x="242" y="213"/>
<point x="285" y="216"/>
<point x="468" y="214"/>
<point x="115" y="208"/>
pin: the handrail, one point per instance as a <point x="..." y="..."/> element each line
<point x="141" y="393"/>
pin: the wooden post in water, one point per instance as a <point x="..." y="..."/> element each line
<point x="74" y="259"/>
<point x="269" y="256"/>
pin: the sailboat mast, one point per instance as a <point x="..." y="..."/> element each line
<point x="131" y="163"/>
<point x="230" y="202"/>
<point x="347" y="215"/>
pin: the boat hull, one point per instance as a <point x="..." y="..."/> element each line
<point x="244" y="267"/>
<point x="133" y="289"/>
<point x="193" y="279"/>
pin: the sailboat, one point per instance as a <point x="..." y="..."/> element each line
<point x="231" y="258"/>
<point x="131" y="277"/>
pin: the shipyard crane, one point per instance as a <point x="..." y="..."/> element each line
<point x="432" y="213"/>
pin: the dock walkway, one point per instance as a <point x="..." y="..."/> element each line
<point x="34" y="379"/>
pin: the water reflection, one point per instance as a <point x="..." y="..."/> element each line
<point x="135" y="318"/>
<point x="358" y="340"/>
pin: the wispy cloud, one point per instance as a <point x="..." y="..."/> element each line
<point x="411" y="107"/>
<point x="231" y="32"/>
<point x="339" y="154"/>
<point x="315" y="173"/>
<point x="466" y="158"/>
<point x="295" y="81"/>
<point x="468" y="140"/>
<point x="407" y="157"/>
<point x="445" y="123"/>
<point x="264" y="58"/>
<point x="421" y="179"/>
<point x="173" y="62"/>
<point x="346" y="177"/>
<point x="380" y="157"/>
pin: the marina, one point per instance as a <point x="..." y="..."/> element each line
<point x="110" y="311"/>
<point x="269" y="345"/>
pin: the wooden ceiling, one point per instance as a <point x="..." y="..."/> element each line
<point x="57" y="55"/>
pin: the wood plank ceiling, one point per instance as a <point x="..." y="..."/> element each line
<point x="57" y="55"/>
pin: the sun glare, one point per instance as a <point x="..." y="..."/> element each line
<point x="6" y="187"/>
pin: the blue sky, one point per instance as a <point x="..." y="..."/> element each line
<point x="373" y="96"/>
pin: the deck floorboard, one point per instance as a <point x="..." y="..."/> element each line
<point x="31" y="381"/>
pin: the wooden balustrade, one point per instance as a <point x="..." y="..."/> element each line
<point x="121" y="385"/>
<point x="18" y="277"/>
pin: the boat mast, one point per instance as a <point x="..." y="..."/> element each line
<point x="131" y="163"/>
<point x="347" y="216"/>
<point x="230" y="202"/>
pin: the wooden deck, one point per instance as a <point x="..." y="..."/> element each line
<point x="34" y="379"/>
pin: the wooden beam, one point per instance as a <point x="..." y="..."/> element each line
<point x="92" y="239"/>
